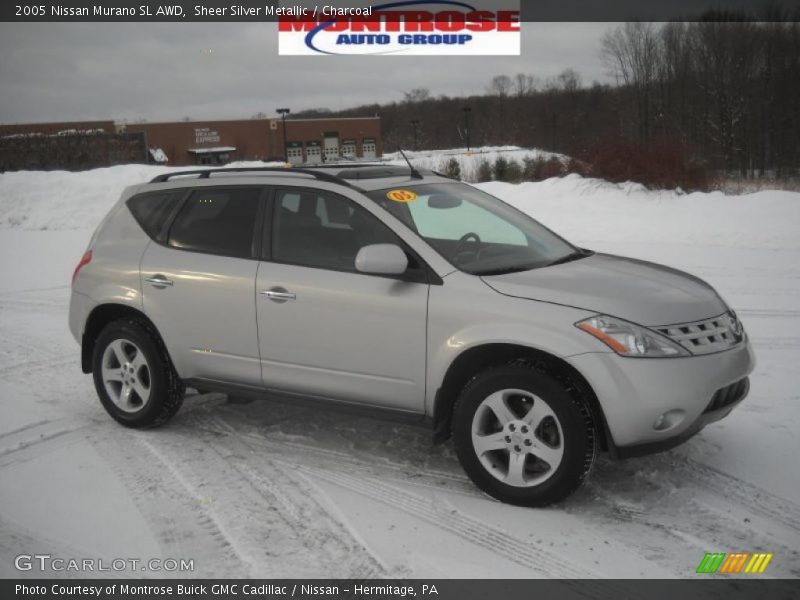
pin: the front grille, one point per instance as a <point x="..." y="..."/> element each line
<point x="704" y="337"/>
<point x="728" y="395"/>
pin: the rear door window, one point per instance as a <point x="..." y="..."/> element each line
<point x="217" y="221"/>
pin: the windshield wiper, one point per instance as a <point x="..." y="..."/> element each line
<point x="504" y="270"/>
<point x="576" y="255"/>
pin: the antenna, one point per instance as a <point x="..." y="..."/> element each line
<point x="414" y="173"/>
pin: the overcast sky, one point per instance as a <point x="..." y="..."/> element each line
<point x="129" y="71"/>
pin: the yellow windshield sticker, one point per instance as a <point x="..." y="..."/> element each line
<point x="401" y="195"/>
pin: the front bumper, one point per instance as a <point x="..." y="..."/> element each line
<point x="635" y="393"/>
<point x="706" y="417"/>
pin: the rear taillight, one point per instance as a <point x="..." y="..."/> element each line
<point x="84" y="261"/>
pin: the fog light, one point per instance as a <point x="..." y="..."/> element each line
<point x="669" y="419"/>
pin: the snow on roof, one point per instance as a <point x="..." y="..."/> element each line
<point x="211" y="150"/>
<point x="57" y="134"/>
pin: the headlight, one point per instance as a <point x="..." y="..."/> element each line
<point x="629" y="339"/>
<point x="735" y="325"/>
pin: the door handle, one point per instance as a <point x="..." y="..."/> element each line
<point x="158" y="281"/>
<point x="279" y="295"/>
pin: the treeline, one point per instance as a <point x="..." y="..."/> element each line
<point x="730" y="89"/>
<point x="691" y="101"/>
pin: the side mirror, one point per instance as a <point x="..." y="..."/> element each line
<point x="381" y="259"/>
<point x="443" y="201"/>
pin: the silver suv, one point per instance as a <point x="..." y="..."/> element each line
<point x="400" y="290"/>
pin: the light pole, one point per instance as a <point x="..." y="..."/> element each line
<point x="283" y="112"/>
<point x="414" y="123"/>
<point x="466" y="110"/>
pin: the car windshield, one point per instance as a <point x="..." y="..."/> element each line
<point x="475" y="231"/>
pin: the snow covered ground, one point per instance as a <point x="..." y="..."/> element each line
<point x="267" y="489"/>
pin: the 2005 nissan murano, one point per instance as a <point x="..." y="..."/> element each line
<point x="395" y="289"/>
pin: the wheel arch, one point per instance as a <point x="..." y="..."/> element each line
<point x="102" y="315"/>
<point x="480" y="357"/>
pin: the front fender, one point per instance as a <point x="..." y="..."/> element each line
<point x="456" y="325"/>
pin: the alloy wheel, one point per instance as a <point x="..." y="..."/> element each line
<point x="126" y="375"/>
<point x="517" y="437"/>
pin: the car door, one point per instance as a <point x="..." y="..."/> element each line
<point x="198" y="284"/>
<point x="325" y="329"/>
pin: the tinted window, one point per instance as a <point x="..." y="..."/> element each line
<point x="151" y="210"/>
<point x="323" y="231"/>
<point x="475" y="231"/>
<point x="453" y="223"/>
<point x="217" y="221"/>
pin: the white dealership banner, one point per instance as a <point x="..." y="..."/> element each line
<point x="400" y="28"/>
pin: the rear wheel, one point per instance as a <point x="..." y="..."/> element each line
<point x="521" y="437"/>
<point x="133" y="375"/>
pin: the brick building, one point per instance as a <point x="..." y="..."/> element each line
<point x="198" y="142"/>
<point x="73" y="146"/>
<point x="308" y="140"/>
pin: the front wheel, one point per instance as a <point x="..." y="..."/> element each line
<point x="521" y="437"/>
<point x="133" y="375"/>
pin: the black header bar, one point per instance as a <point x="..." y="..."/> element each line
<point x="270" y="10"/>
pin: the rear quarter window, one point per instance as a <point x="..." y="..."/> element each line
<point x="152" y="210"/>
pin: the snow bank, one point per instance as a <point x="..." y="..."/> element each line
<point x="582" y="210"/>
<point x="61" y="200"/>
<point x="587" y="210"/>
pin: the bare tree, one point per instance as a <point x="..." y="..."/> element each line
<point x="569" y="80"/>
<point x="416" y="95"/>
<point x="500" y="86"/>
<point x="631" y="54"/>
<point x="524" y="85"/>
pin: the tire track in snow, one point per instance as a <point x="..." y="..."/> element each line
<point x="26" y="354"/>
<point x="24" y="428"/>
<point x="33" y="436"/>
<point x="15" y="540"/>
<point x="669" y="506"/>
<point x="40" y="440"/>
<point x="667" y="538"/>
<point x="24" y="368"/>
<point x="178" y="517"/>
<point x="723" y="530"/>
<point x="407" y="473"/>
<point x="320" y="532"/>
<point x="364" y="478"/>
<point x="754" y="499"/>
<point x="474" y="531"/>
<point x="355" y="560"/>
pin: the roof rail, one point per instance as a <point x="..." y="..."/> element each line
<point x="377" y="172"/>
<point x="206" y="174"/>
<point x="349" y="165"/>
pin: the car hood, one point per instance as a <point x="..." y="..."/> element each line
<point x="635" y="290"/>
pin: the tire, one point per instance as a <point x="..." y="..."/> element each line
<point x="133" y="375"/>
<point x="521" y="437"/>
